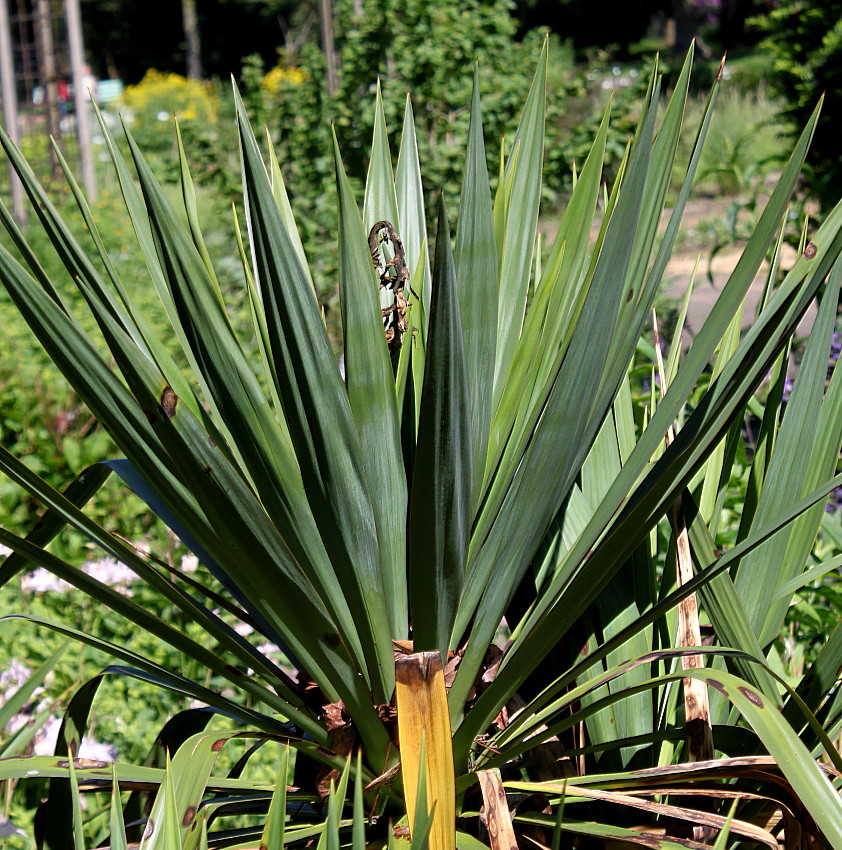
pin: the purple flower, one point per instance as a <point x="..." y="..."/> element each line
<point x="8" y="829"/>
<point x="13" y="676"/>
<point x="787" y="389"/>
<point x="834" y="501"/>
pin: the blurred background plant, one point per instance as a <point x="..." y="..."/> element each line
<point x="151" y="106"/>
<point x="803" y="44"/>
<point x="160" y="97"/>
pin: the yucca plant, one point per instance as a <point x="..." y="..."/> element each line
<point x="475" y="462"/>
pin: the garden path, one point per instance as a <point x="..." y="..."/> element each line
<point x="679" y="270"/>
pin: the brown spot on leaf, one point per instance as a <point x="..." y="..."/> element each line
<point x="715" y="683"/>
<point x="810" y="251"/>
<point x="169" y="400"/>
<point x="150" y="828"/>
<point x="189" y="816"/>
<point x="211" y="442"/>
<point x="331" y="639"/>
<point x="629" y="296"/>
<point x="218" y="745"/>
<point x="751" y="696"/>
<point x="401" y="832"/>
<point x="207" y="470"/>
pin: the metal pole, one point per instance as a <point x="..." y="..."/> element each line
<point x="81" y="97"/>
<point x="10" y="107"/>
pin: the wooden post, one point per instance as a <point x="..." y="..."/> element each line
<point x="326" y="11"/>
<point x="9" y="93"/>
<point x="49" y="75"/>
<point x="190" y="20"/>
<point x="81" y="97"/>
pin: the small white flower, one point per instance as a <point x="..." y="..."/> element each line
<point x="189" y="563"/>
<point x="96" y="751"/>
<point x="112" y="573"/>
<point x="243" y="629"/>
<point x="109" y="571"/>
<point x="15" y="674"/>
<point x="17" y="722"/>
<point x="41" y="581"/>
<point x="46" y="737"/>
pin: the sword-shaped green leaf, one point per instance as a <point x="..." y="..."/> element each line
<point x="440" y="501"/>
<point x="320" y="420"/>
<point x="116" y="824"/>
<point x="273" y="830"/>
<point x="806" y="451"/>
<point x="411" y="209"/>
<point x="760" y="347"/>
<point x="523" y="174"/>
<point x="371" y="392"/>
<point x="381" y="202"/>
<point x="477" y="274"/>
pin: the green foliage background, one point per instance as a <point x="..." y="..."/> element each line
<point x="803" y="38"/>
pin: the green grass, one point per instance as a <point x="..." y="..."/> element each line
<point x="744" y="144"/>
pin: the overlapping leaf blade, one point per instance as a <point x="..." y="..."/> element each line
<point x="440" y="503"/>
<point x="371" y="392"/>
<point x="743" y="373"/>
<point x="477" y="273"/>
<point x="805" y="453"/>
<point x="507" y="534"/>
<point x="409" y="192"/>
<point x="523" y="179"/>
<point x="320" y="420"/>
<point x="381" y="202"/>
